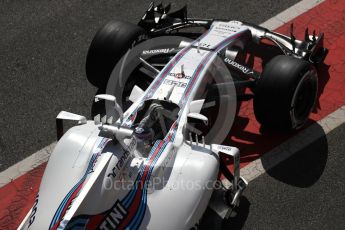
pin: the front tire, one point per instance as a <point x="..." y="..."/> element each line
<point x="110" y="43"/>
<point x="286" y="93"/>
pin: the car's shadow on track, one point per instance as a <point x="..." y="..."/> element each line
<point x="211" y="220"/>
<point x="304" y="168"/>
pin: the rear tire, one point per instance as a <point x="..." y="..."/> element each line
<point x="110" y="43"/>
<point x="286" y="93"/>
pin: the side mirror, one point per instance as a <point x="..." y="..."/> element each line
<point x="63" y="115"/>
<point x="117" y="107"/>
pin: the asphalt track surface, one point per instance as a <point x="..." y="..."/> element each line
<point x="42" y="52"/>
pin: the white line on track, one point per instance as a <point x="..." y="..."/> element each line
<point x="290" y="13"/>
<point x="26" y="165"/>
<point x="251" y="171"/>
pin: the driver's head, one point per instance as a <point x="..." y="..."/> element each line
<point x="144" y="139"/>
<point x="145" y="134"/>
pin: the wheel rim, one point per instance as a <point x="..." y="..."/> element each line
<point x="304" y="98"/>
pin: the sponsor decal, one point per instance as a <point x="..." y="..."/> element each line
<point x="175" y="83"/>
<point x="224" y="148"/>
<point x="157" y="51"/>
<point x="33" y="211"/>
<point x="226" y="28"/>
<point x="116" y="214"/>
<point x="180" y="75"/>
<point x="204" y="45"/>
<point x="119" y="164"/>
<point x="238" y="66"/>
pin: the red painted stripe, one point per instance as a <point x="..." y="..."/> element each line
<point x="17" y="197"/>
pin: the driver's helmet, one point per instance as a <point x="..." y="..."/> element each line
<point x="144" y="139"/>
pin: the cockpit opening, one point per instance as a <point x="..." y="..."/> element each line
<point x="153" y="122"/>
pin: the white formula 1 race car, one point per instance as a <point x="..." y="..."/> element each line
<point x="167" y="97"/>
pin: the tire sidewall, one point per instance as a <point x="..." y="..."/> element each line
<point x="276" y="89"/>
<point x="109" y="44"/>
